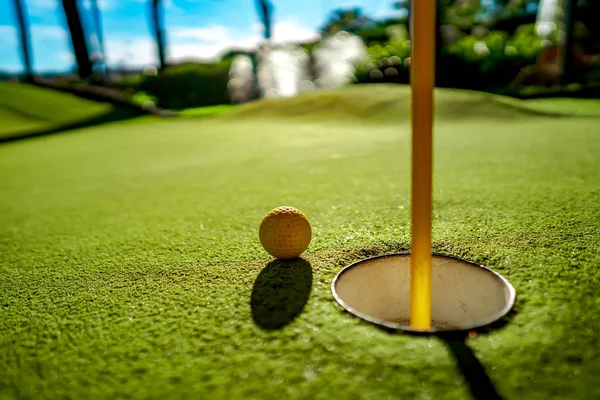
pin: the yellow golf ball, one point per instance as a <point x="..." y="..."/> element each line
<point x="285" y="232"/>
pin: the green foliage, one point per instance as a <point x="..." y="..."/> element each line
<point x="349" y="20"/>
<point x="526" y="42"/>
<point x="470" y="62"/>
<point x="383" y="33"/>
<point x="469" y="13"/>
<point x="392" y="47"/>
<point x="462" y="15"/>
<point x="131" y="81"/>
<point x="236" y="52"/>
<point x="184" y="85"/>
<point x="143" y="97"/>
<point x="309" y="46"/>
<point x="373" y="35"/>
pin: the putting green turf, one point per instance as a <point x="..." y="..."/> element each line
<point x="25" y="109"/>
<point x="130" y="264"/>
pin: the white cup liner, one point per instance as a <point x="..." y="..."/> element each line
<point x="465" y="295"/>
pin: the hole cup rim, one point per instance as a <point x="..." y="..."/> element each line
<point x="392" y="326"/>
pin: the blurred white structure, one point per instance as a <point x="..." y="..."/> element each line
<point x="241" y="85"/>
<point x="286" y="70"/>
<point x="550" y="20"/>
<point x="335" y="58"/>
<point x="282" y="70"/>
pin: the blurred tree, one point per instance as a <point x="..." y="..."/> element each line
<point x="99" y="33"/>
<point x="265" y="12"/>
<point x="569" y="9"/>
<point x="25" y="44"/>
<point x="587" y="12"/>
<point x="349" y="20"/>
<point x="465" y="14"/>
<point x="159" y="36"/>
<point x="403" y="5"/>
<point x="580" y="47"/>
<point x="80" y="48"/>
<point x="460" y="13"/>
<point x="230" y="54"/>
<point x="512" y="8"/>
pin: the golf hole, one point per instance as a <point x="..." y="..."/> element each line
<point x="465" y="296"/>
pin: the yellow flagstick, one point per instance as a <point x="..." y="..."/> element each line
<point x="422" y="82"/>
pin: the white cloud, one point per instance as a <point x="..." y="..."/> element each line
<point x="209" y="51"/>
<point x="291" y="31"/>
<point x="42" y="3"/>
<point x="207" y="34"/>
<point x="287" y="31"/>
<point x="53" y="32"/>
<point x="38" y="7"/>
<point x="165" y="3"/>
<point x="8" y="35"/>
<point x="106" y="4"/>
<point x="385" y="10"/>
<point x="349" y="4"/>
<point x="102" y="4"/>
<point x="41" y="7"/>
<point x="205" y="43"/>
<point x="135" y="51"/>
<point x="65" y="57"/>
<point x="258" y="27"/>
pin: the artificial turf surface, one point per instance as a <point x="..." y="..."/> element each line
<point x="27" y="110"/>
<point x="130" y="264"/>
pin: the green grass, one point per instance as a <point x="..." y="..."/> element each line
<point x="130" y="264"/>
<point x="575" y="107"/>
<point x="391" y="103"/>
<point x="206" y="111"/>
<point x="25" y="109"/>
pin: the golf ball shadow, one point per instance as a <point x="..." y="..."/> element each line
<point x="280" y="292"/>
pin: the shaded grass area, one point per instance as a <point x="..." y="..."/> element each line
<point x="114" y="115"/>
<point x="30" y="111"/>
<point x="130" y="264"/>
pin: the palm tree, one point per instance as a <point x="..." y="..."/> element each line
<point x="265" y="10"/>
<point x="570" y="9"/>
<point x="25" y="45"/>
<point x="158" y="32"/>
<point x="99" y="33"/>
<point x="80" y="48"/>
<point x="349" y="20"/>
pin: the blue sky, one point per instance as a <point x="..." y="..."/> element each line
<point x="196" y="29"/>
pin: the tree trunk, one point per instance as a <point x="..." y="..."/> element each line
<point x="80" y="48"/>
<point x="265" y="10"/>
<point x="158" y="33"/>
<point x="570" y="7"/>
<point x="99" y="32"/>
<point x="439" y="47"/>
<point x="25" y="44"/>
